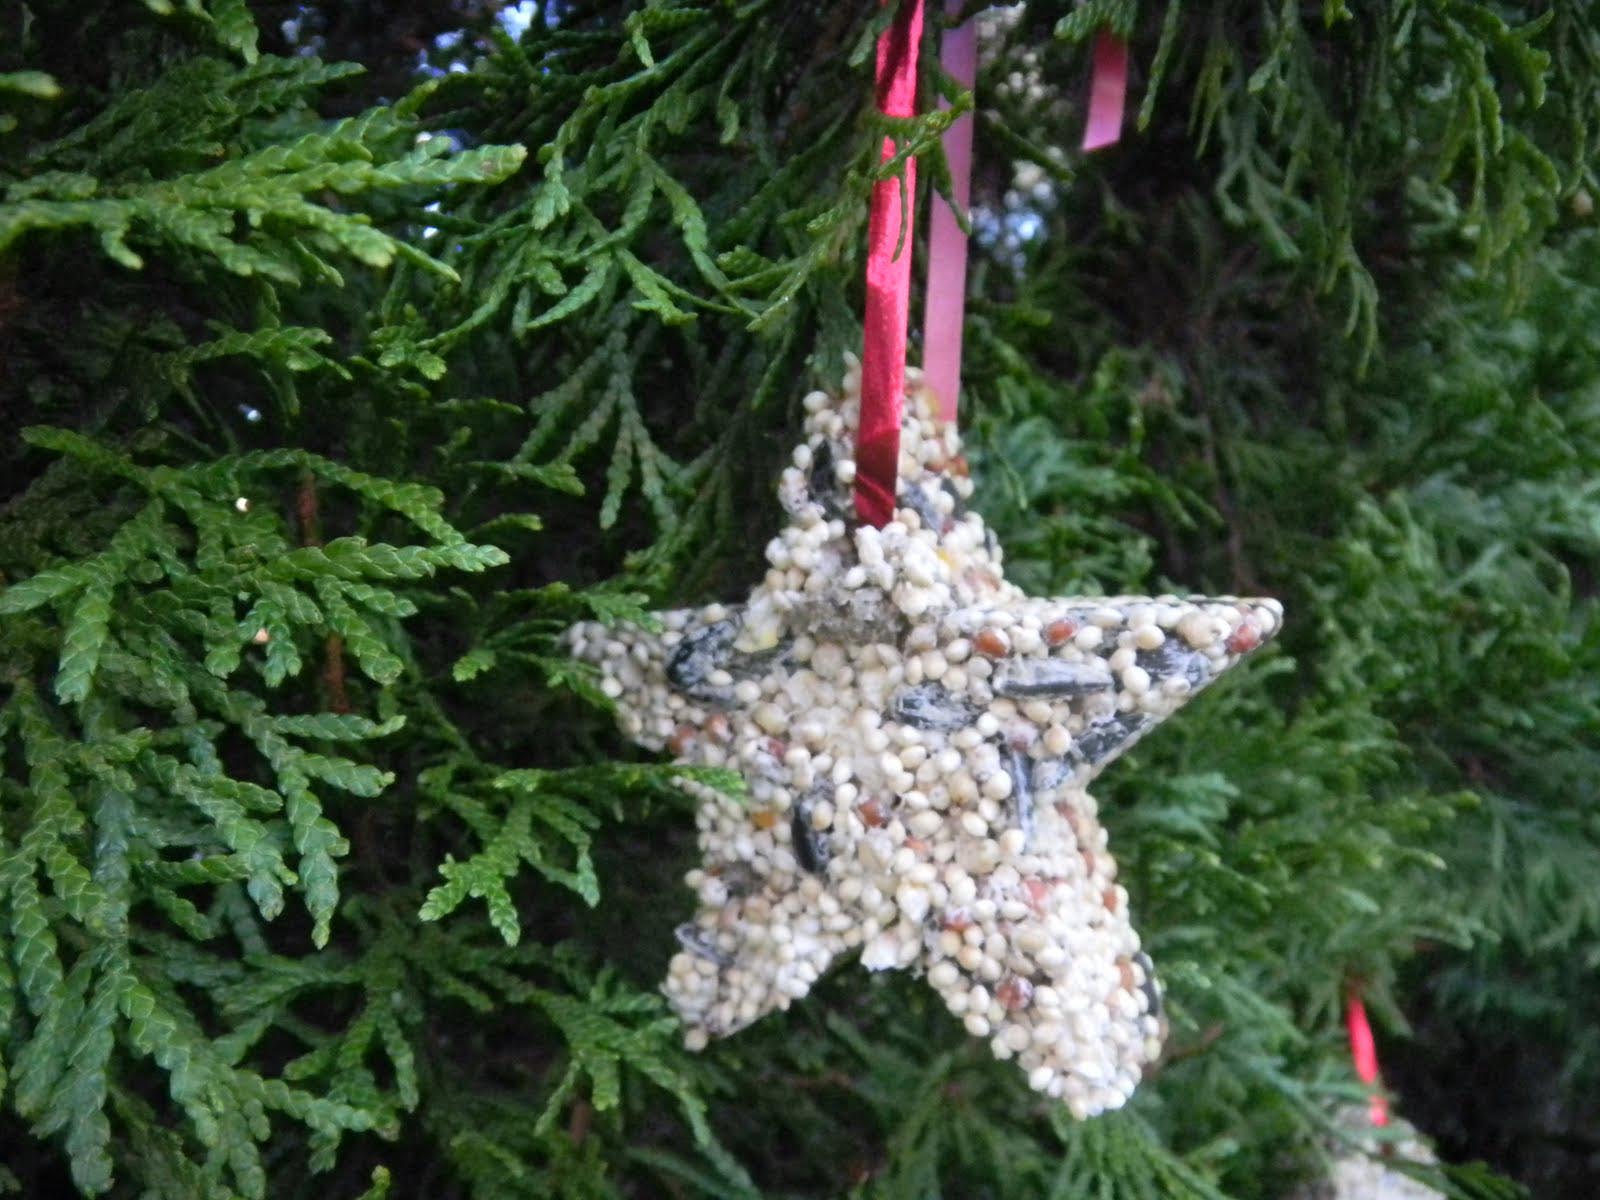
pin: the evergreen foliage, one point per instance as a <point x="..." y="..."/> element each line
<point x="327" y="405"/>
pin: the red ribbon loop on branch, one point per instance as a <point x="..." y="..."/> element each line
<point x="883" y="356"/>
<point x="1364" y="1050"/>
<point x="944" y="307"/>
<point x="1108" y="91"/>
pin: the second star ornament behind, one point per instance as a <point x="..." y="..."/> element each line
<point x="917" y="737"/>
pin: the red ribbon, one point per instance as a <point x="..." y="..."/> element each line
<point x="1364" y="1050"/>
<point x="1108" y="91"/>
<point x="945" y="305"/>
<point x="883" y="356"/>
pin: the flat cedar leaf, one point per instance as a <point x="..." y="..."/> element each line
<point x="381" y="1182"/>
<point x="654" y="291"/>
<point x="183" y="913"/>
<point x="356" y="778"/>
<point x="729" y="782"/>
<point x="85" y="635"/>
<point x="85" y="449"/>
<point x="293" y="605"/>
<point x="336" y="727"/>
<point x="30" y="83"/>
<point x="561" y="476"/>
<point x="443" y="899"/>
<point x="377" y="661"/>
<point x="402" y="1056"/>
<point x="293" y="346"/>
<point x="267" y="626"/>
<point x="224" y="655"/>
<point x="34" y="948"/>
<point x="379" y="600"/>
<point x="466" y="557"/>
<point x="318" y="842"/>
<point x="472" y="664"/>
<point x="43" y="1061"/>
<point x="548" y="278"/>
<point x="244" y="835"/>
<point x="235" y="27"/>
<point x="618" y="474"/>
<point x="585" y="291"/>
<point x="614" y="606"/>
<point x="522" y="522"/>
<point x="42" y="588"/>
<point x="80" y="1097"/>
<point x="569" y="673"/>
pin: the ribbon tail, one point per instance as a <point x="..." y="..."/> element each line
<point x="944" y="307"/>
<point x="1108" y="92"/>
<point x="1364" y="1050"/>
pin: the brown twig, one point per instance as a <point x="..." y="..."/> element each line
<point x="1208" y="1037"/>
<point x="333" y="649"/>
<point x="582" y="1119"/>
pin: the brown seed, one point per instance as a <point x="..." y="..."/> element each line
<point x="763" y="818"/>
<point x="917" y="846"/>
<point x="958" y="466"/>
<point x="872" y="813"/>
<point x="717" y="727"/>
<point x="1088" y="861"/>
<point x="1125" y="970"/>
<point x="958" y="920"/>
<point x="991" y="643"/>
<point x="1038" y="893"/>
<point x="1060" y="631"/>
<point x="776" y="747"/>
<point x="1109" y="899"/>
<point x="682" y="737"/>
<point x="1014" y="992"/>
<point x="1246" y="637"/>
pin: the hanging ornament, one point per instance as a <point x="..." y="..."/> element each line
<point x="916" y="736"/>
<point x="1362" y="1168"/>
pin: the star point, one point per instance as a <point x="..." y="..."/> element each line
<point x="917" y="737"/>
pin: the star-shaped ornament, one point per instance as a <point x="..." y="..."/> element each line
<point x="917" y="736"/>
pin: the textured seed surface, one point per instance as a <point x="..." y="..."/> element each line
<point x="1360" y="1165"/>
<point x="1047" y="677"/>
<point x="930" y="706"/>
<point x="916" y="738"/>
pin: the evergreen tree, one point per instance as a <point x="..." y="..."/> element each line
<point x="351" y="352"/>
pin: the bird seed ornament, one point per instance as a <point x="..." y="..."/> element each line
<point x="916" y="736"/>
<point x="1360" y="1168"/>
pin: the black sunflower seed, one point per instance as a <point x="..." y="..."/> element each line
<point x="931" y="706"/>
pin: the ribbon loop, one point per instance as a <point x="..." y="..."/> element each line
<point x="945" y="305"/>
<point x="883" y="356"/>
<point x="1108" y="91"/>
